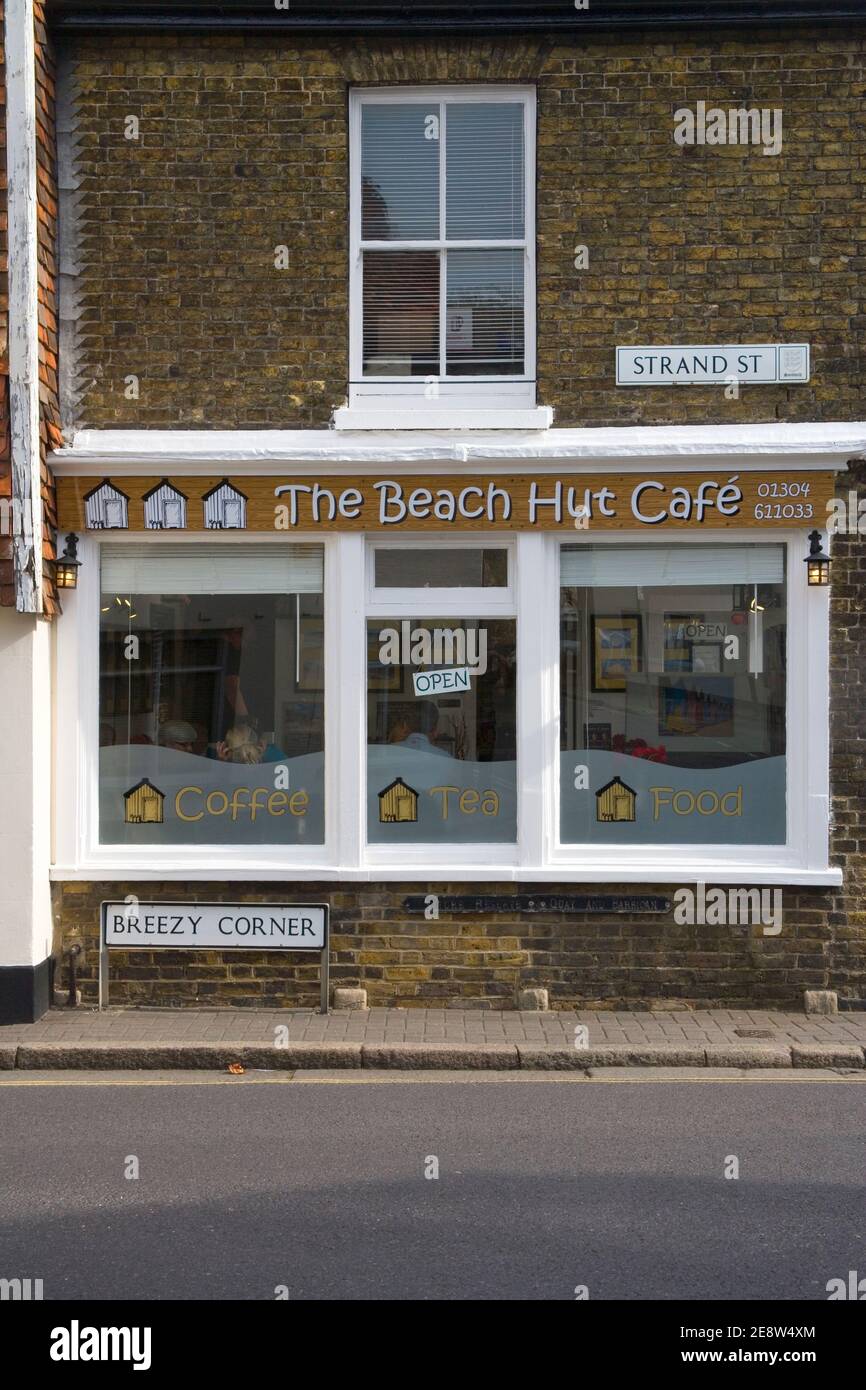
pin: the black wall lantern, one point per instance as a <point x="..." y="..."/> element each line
<point x="67" y="567"/>
<point x="818" y="563"/>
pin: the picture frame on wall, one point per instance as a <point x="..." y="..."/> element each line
<point x="597" y="736"/>
<point x="678" y="646"/>
<point x="616" y="650"/>
<point x="381" y="679"/>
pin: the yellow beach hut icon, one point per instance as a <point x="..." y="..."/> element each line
<point x="616" y="802"/>
<point x="144" y="804"/>
<point x="398" y="803"/>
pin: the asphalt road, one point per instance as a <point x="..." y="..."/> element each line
<point x="321" y="1187"/>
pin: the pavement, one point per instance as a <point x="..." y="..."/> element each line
<point x="424" y="1039"/>
<point x="481" y="1187"/>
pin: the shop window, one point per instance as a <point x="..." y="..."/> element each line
<point x="443" y="254"/>
<point x="441" y="731"/>
<point x="211" y="695"/>
<point x="673" y="695"/>
<point x="441" y="568"/>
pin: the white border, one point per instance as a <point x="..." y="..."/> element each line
<point x="538" y="857"/>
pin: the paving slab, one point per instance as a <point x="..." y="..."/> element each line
<point x="616" y="1036"/>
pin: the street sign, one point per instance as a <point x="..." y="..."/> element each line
<point x="133" y="925"/>
<point x="761" y="364"/>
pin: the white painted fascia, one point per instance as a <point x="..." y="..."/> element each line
<point x="20" y="58"/>
<point x="759" y="447"/>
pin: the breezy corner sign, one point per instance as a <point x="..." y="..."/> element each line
<point x="134" y="926"/>
<point x="766" y="364"/>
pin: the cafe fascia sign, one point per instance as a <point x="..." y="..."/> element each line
<point x="526" y="502"/>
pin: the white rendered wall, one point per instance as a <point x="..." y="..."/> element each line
<point x="25" y="790"/>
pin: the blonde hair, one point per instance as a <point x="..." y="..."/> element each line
<point x="243" y="744"/>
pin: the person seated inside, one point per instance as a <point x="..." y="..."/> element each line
<point x="179" y="735"/>
<point x="242" y="744"/>
<point x="418" y="729"/>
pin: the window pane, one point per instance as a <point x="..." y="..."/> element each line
<point x="673" y="696"/>
<point x="485" y="162"/>
<point x="211" y="717"/>
<point x="441" y="767"/>
<point x="400" y="172"/>
<point x="441" y="569"/>
<point x="401" y="313"/>
<point x="485" y="313"/>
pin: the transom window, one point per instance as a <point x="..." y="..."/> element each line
<point x="443" y="255"/>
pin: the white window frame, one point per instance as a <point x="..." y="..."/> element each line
<point x="78" y="852"/>
<point x="804" y="856"/>
<point x="538" y="856"/>
<point x="477" y="402"/>
<point x="386" y="604"/>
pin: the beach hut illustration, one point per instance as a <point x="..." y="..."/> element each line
<point x="106" y="508"/>
<point x="164" y="508"/>
<point x="398" y="803"/>
<point x="225" y="508"/>
<point x="144" y="804"/>
<point x="616" y="802"/>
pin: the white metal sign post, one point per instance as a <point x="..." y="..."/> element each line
<point x="138" y="926"/>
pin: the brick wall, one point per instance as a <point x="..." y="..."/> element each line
<point x="243" y="147"/>
<point x="401" y="959"/>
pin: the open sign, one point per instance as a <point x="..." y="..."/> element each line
<point x="440" y="682"/>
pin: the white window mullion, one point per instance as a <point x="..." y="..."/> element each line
<point x="346" y="700"/>
<point x="533" y="600"/>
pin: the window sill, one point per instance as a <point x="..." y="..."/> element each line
<point x="401" y="418"/>
<point x="218" y="871"/>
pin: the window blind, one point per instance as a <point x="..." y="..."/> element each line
<point x="400" y="172"/>
<point x="643" y="566"/>
<point x="485" y="171"/>
<point x="206" y="569"/>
